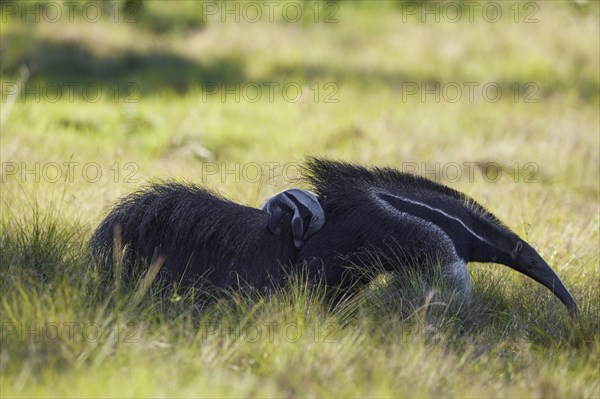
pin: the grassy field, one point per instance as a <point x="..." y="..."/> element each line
<point x="500" y="101"/>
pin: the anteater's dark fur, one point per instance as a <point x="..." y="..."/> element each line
<point x="405" y="219"/>
<point x="201" y="234"/>
<point x="206" y="236"/>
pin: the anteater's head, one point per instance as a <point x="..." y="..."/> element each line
<point x="384" y="198"/>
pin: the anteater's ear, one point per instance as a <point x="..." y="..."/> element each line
<point x="307" y="216"/>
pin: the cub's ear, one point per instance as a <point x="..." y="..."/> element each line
<point x="307" y="216"/>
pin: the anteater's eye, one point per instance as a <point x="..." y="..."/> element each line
<point x="518" y="247"/>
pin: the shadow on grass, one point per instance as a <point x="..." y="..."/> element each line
<point x="415" y="85"/>
<point x="72" y="67"/>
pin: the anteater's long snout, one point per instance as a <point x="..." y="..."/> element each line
<point x="530" y="263"/>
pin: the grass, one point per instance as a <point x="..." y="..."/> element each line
<point x="70" y="330"/>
